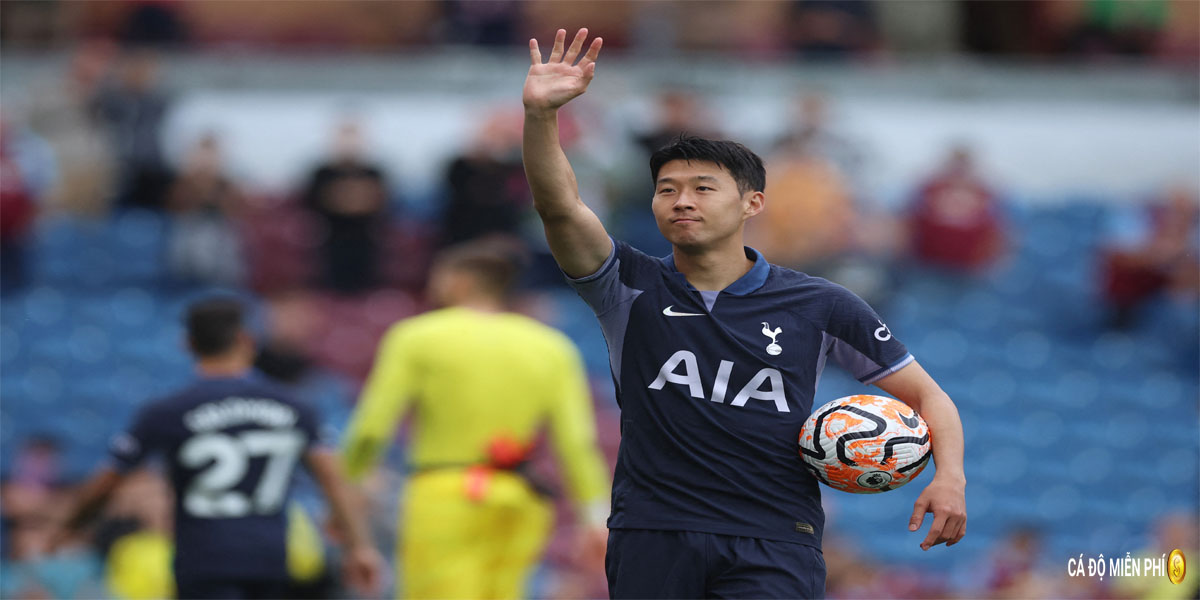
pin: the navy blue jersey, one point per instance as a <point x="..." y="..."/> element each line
<point x="715" y="386"/>
<point x="231" y="446"/>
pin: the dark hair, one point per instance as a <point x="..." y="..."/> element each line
<point x="494" y="261"/>
<point x="745" y="166"/>
<point x="213" y="325"/>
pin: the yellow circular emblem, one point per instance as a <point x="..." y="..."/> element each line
<point x="1176" y="566"/>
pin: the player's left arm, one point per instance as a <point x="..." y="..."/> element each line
<point x="127" y="450"/>
<point x="945" y="496"/>
<point x="573" y="430"/>
<point x="362" y="563"/>
<point x="92" y="497"/>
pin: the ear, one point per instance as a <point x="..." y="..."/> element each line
<point x="755" y="203"/>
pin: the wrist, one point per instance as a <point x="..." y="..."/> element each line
<point x="544" y="113"/>
<point x="950" y="476"/>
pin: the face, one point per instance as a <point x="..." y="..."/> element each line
<point x="697" y="204"/>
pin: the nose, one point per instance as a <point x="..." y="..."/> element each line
<point x="684" y="201"/>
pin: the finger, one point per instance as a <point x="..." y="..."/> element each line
<point x="576" y="46"/>
<point x="557" y="52"/>
<point x="920" y="507"/>
<point x="592" y="53"/>
<point x="535" y="54"/>
<point x="962" y="531"/>
<point x="589" y="71"/>
<point x="954" y="536"/>
<point x="935" y="531"/>
<point x="953" y="524"/>
<point x="372" y="581"/>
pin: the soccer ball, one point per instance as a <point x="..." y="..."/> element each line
<point x="865" y="444"/>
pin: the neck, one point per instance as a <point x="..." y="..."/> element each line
<point x="482" y="304"/>
<point x="222" y="366"/>
<point x="713" y="269"/>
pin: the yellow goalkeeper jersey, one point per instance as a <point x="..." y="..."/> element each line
<point x="471" y="377"/>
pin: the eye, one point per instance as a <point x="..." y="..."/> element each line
<point x="665" y="190"/>
<point x="705" y="188"/>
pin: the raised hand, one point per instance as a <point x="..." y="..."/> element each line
<point x="552" y="84"/>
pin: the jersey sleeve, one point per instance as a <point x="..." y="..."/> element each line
<point x="131" y="447"/>
<point x="573" y="433"/>
<point x="309" y="423"/>
<point x="613" y="284"/>
<point x="382" y="403"/>
<point x="860" y="341"/>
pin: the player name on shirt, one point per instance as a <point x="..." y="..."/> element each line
<point x="234" y="411"/>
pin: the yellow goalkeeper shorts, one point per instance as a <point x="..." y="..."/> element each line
<point x="470" y="533"/>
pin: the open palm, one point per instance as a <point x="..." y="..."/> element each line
<point x="552" y="84"/>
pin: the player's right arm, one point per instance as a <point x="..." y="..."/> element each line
<point x="575" y="234"/>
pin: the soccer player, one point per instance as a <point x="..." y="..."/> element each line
<point x="482" y="382"/>
<point x="716" y="354"/>
<point x="232" y="441"/>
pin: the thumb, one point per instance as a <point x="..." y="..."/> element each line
<point x="918" y="516"/>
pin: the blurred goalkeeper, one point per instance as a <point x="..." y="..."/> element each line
<point x="481" y="382"/>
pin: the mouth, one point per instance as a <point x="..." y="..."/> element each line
<point x="685" y="220"/>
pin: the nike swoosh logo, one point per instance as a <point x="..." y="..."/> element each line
<point x="670" y="313"/>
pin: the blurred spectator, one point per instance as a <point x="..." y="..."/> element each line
<point x="29" y="501"/>
<point x="494" y="23"/>
<point x="830" y="29"/>
<point x="1150" y="251"/>
<point x="810" y="217"/>
<point x="349" y="195"/>
<point x="29" y="574"/>
<point x="955" y="219"/>
<point x="134" y="107"/>
<point x="283" y="354"/>
<point x="1013" y="566"/>
<point x="18" y="206"/>
<point x="810" y="127"/>
<point x="202" y="203"/>
<point x="155" y="22"/>
<point x="486" y="184"/>
<point x="1118" y="27"/>
<point x="63" y="112"/>
<point x="38" y="464"/>
<point x="851" y="574"/>
<point x="677" y="111"/>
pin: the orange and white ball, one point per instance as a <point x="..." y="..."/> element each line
<point x="865" y="444"/>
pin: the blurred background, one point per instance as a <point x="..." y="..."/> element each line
<point x="1013" y="186"/>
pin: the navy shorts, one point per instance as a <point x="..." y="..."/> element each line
<point x="189" y="587"/>
<point x="644" y="563"/>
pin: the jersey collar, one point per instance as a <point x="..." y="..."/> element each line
<point x="751" y="281"/>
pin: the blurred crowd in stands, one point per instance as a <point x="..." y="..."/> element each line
<point x="338" y="258"/>
<point x="1165" y="30"/>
